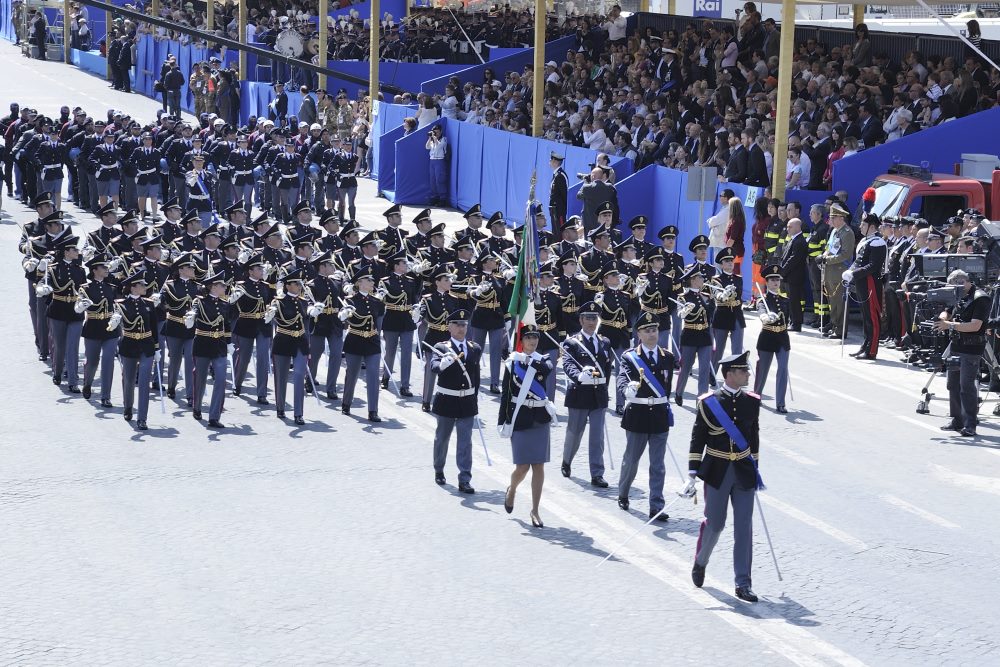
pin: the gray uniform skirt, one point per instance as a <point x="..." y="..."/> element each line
<point x="531" y="445"/>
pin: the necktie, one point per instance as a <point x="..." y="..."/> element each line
<point x="590" y="344"/>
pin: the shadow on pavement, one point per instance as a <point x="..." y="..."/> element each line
<point x="560" y="536"/>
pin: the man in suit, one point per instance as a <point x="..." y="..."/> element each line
<point x="793" y="271"/>
<point x="594" y="194"/>
<point x="757" y="175"/>
<point x="818" y="149"/>
<point x="906" y="124"/>
<point x="736" y="168"/>
<point x="871" y="129"/>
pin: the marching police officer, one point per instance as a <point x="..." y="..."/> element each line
<point x="362" y="313"/>
<point x="291" y="344"/>
<point x="489" y="315"/>
<point x="209" y="316"/>
<point x="433" y="311"/>
<point x="455" y="362"/>
<point x="138" y="348"/>
<point x="176" y="298"/>
<point x="724" y="450"/>
<point x="401" y="296"/>
<point x="645" y="377"/>
<point x="728" y="321"/>
<point x="773" y="340"/>
<point x="97" y="301"/>
<point x="696" y="314"/>
<point x="327" y="330"/>
<point x="587" y="364"/>
<point x="250" y="331"/>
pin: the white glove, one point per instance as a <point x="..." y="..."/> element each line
<point x="685" y="310"/>
<point x="168" y="253"/>
<point x="338" y="275"/>
<point x="114" y="320"/>
<point x="550" y="408"/>
<point x="315" y="310"/>
<point x="505" y="431"/>
<point x="156" y="358"/>
<point x="519" y="357"/>
<point x="43" y="264"/>
<point x="769" y="318"/>
<point x="446" y="361"/>
<point x="270" y="313"/>
<point x="88" y="253"/>
<point x="30" y="264"/>
<point x="381" y="293"/>
<point x="189" y="319"/>
<point x="230" y="349"/>
<point x="415" y="315"/>
<point x="236" y="294"/>
<point x="244" y="256"/>
<point x="42" y="290"/>
<point x="690" y="489"/>
<point x="847" y="275"/>
<point x="631" y="390"/>
<point x="345" y="313"/>
<point x="348" y="290"/>
<point x="155" y="297"/>
<point x="114" y="264"/>
<point x="82" y="305"/>
<point x="729" y="293"/>
<point x="268" y="269"/>
<point x="422" y="266"/>
<point x="599" y="298"/>
<point x="510" y="274"/>
<point x="640" y="285"/>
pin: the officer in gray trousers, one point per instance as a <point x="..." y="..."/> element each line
<point x="728" y="466"/>
<point x="587" y="364"/>
<point x="455" y="362"/>
<point x="645" y="378"/>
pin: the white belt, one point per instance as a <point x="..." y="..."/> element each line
<point x="596" y="381"/>
<point x="343" y="175"/>
<point x="192" y="196"/>
<point x="242" y="173"/>
<point x="52" y="166"/>
<point x="143" y="172"/>
<point x="529" y="403"/>
<point x="456" y="392"/>
<point x="652" y="400"/>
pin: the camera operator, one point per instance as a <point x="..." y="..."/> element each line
<point x="437" y="146"/>
<point x="966" y="322"/>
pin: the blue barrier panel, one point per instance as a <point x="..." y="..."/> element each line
<point x="385" y="120"/>
<point x="468" y="186"/>
<point x="941" y="146"/>
<point x="255" y="98"/>
<point x="555" y="50"/>
<point x="495" y="151"/>
<point x="408" y="76"/>
<point x="631" y="205"/>
<point x="498" y="53"/>
<point x="413" y="169"/>
<point x="91" y="62"/>
<point x="521" y="153"/>
<point x="387" y="177"/>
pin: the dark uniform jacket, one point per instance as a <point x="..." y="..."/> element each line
<point x="489" y="312"/>
<point x="290" y="326"/>
<point x="774" y="337"/>
<point x="869" y="263"/>
<point x="139" y="336"/>
<point x="176" y="300"/>
<point x="95" y="324"/>
<point x="527" y="417"/>
<point x="249" y="309"/>
<point x="655" y="299"/>
<point x="558" y="192"/>
<point x="436" y="308"/>
<point x="729" y="313"/>
<point x="402" y="292"/>
<point x="362" y="326"/>
<point x="695" y="327"/>
<point x="457" y="390"/>
<point x="211" y="331"/>
<point x="572" y="291"/>
<point x="712" y="451"/>
<point x="616" y="311"/>
<point x="641" y="417"/>
<point x="580" y="352"/>
<point x="328" y="293"/>
<point x="65" y="279"/>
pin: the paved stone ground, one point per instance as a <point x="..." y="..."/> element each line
<point x="330" y="544"/>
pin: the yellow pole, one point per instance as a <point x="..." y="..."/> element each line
<point x="538" y="82"/>
<point x="671" y="6"/>
<point x="156" y="7"/>
<point x="858" y="12"/>
<point x="66" y="31"/>
<point x="785" y="49"/>
<point x="107" y="42"/>
<point x="242" y="38"/>
<point x="373" y="57"/>
<point x="210" y="15"/>
<point x="324" y="15"/>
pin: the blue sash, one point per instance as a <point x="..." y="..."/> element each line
<point x="647" y="373"/>
<point x="734" y="433"/>
<point x="535" y="387"/>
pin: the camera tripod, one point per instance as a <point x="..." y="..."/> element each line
<point x="988" y="358"/>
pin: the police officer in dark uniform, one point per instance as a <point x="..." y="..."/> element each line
<point x="361" y="313"/>
<point x="572" y="292"/>
<point x="455" y="363"/>
<point x="966" y="323"/>
<point x="400" y="293"/>
<point x="421" y="239"/>
<point x="558" y="191"/>
<point x="638" y="226"/>
<point x="673" y="266"/>
<point x="645" y="377"/>
<point x="728" y="322"/>
<point x="331" y="240"/>
<point x="474" y="222"/>
<point x="326" y="333"/>
<point x="587" y="363"/>
<point x="496" y="243"/>
<point x="434" y="310"/>
<point x="615" y="306"/>
<point x="549" y="320"/>
<point x="655" y="292"/>
<point x="209" y="318"/>
<point x="176" y="298"/>
<point x="773" y="341"/>
<point x="392" y="236"/>
<point x="569" y="232"/>
<point x="138" y="348"/>
<point x="545" y="237"/>
<point x="250" y="330"/>
<point x="146" y="160"/>
<point x="62" y="278"/>
<point x="240" y="163"/>
<point x="465" y="274"/>
<point x="697" y="311"/>
<point x="97" y="302"/>
<point x="593" y="260"/>
<point x="728" y="466"/>
<point x="865" y="277"/>
<point x="291" y="344"/>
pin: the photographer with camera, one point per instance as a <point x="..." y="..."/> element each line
<point x="437" y="146"/>
<point x="966" y="323"/>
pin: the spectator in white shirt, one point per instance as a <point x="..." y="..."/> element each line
<point x="718" y="223"/>
<point x="615" y="25"/>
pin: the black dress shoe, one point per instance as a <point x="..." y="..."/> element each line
<point x="197" y="415"/>
<point x="620" y="411"/>
<point x="281" y="414"/>
<point x="189" y="402"/>
<point x="864" y="356"/>
<point x="215" y="423"/>
<point x="951" y="427"/>
<point x="465" y="487"/>
<point x="332" y="396"/>
<point x="439" y="478"/>
<point x="494" y="389"/>
<point x="856" y="354"/>
<point x="261" y="400"/>
<point x="74" y="389"/>
<point x="698" y="575"/>
<point x="57" y="381"/>
<point x="373" y="417"/>
<point x="127" y="415"/>
<point x="508" y="508"/>
<point x="678" y="398"/>
<point x="86" y="391"/>
<point x="43" y="357"/>
<point x="141" y="425"/>
<point x="598" y="482"/>
<point x="712" y="383"/>
<point x="659" y="516"/>
<point x="299" y="421"/>
<point x="237" y="391"/>
<point x="565" y="469"/>
<point x="105" y="403"/>
<point x="744" y="593"/>
<point x="781" y="409"/>
<point x="405" y="393"/>
<point x="426" y="407"/>
<point x="623" y="503"/>
<point x="967" y="433"/>
<point x="171" y="393"/>
<point x="346" y="409"/>
<point x="309" y="389"/>
<point x="385" y="383"/>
